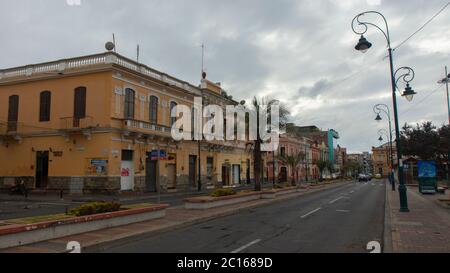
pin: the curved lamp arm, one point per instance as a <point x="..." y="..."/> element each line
<point x="377" y="109"/>
<point x="404" y="73"/>
<point x="365" y="25"/>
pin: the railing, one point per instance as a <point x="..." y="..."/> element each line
<point x="13" y="128"/>
<point x="146" y="126"/>
<point x="72" y="123"/>
<point x="92" y="60"/>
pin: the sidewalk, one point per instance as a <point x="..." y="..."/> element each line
<point x="426" y="229"/>
<point x="176" y="217"/>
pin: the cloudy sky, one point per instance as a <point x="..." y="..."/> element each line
<point x="300" y="52"/>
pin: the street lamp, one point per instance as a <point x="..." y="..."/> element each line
<point x="446" y="80"/>
<point x="383" y="108"/>
<point x="407" y="77"/>
<point x="363" y="45"/>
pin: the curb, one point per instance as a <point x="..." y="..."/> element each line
<point x="102" y="246"/>
<point x="387" y="233"/>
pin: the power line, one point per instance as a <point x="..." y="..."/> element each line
<point x="424" y="99"/>
<point x="423" y="26"/>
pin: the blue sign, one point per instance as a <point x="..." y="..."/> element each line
<point x="162" y="155"/>
<point x="427" y="169"/>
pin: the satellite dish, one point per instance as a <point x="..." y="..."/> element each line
<point x="110" y="46"/>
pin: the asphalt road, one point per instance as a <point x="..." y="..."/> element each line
<point x="13" y="207"/>
<point x="339" y="220"/>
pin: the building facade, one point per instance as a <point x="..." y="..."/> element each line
<point x="102" y="123"/>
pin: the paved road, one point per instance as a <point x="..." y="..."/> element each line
<point x="339" y="220"/>
<point x="12" y="207"/>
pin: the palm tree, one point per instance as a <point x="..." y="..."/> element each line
<point x="294" y="162"/>
<point x="264" y="105"/>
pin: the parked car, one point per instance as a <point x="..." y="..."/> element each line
<point x="378" y="176"/>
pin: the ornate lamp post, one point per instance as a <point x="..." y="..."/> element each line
<point x="390" y="155"/>
<point x="363" y="46"/>
<point x="383" y="108"/>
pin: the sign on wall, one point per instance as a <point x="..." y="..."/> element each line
<point x="162" y="155"/>
<point x="97" y="166"/>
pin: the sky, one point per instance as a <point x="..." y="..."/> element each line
<point x="300" y="52"/>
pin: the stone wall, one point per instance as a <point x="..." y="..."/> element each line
<point x="7" y="182"/>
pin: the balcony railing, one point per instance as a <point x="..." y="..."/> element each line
<point x="74" y="124"/>
<point x="108" y="58"/>
<point x="146" y="127"/>
<point x="13" y="128"/>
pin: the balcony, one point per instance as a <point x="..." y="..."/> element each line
<point x="76" y="124"/>
<point x="146" y="128"/>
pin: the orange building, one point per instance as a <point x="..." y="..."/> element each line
<point x="101" y="123"/>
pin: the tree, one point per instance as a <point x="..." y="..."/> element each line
<point x="264" y="105"/>
<point x="352" y="166"/>
<point x="324" y="165"/>
<point x="421" y="141"/>
<point x="427" y="142"/>
<point x="294" y="162"/>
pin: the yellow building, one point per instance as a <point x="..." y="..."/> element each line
<point x="381" y="160"/>
<point x="98" y="123"/>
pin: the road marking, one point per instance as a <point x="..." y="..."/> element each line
<point x="334" y="201"/>
<point x="343" y="211"/>
<point x="352" y="191"/>
<point x="312" y="212"/>
<point x="246" y="246"/>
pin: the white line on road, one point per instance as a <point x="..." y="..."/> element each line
<point x="343" y="211"/>
<point x="246" y="246"/>
<point x="352" y="191"/>
<point x="312" y="212"/>
<point x="334" y="201"/>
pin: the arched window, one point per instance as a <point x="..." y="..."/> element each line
<point x="13" y="113"/>
<point x="129" y="103"/>
<point x="172" y="120"/>
<point x="153" y="110"/>
<point x="44" y="106"/>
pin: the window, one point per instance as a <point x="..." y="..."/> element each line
<point x="153" y="110"/>
<point x="283" y="151"/>
<point x="129" y="103"/>
<point x="209" y="167"/>
<point x="172" y="120"/>
<point x="44" y="106"/>
<point x="13" y="113"/>
<point x="80" y="103"/>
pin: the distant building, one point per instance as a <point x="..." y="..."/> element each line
<point x="328" y="137"/>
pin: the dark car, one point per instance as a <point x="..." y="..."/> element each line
<point x="363" y="178"/>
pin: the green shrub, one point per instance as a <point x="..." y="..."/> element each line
<point x="95" y="208"/>
<point x="223" y="192"/>
<point x="278" y="186"/>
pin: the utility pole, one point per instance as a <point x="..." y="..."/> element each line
<point x="446" y="80"/>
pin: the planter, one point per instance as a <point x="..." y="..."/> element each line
<point x="12" y="235"/>
<point x="208" y="202"/>
<point x="272" y="194"/>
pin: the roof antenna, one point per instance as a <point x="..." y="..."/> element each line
<point x="203" y="62"/>
<point x="114" y="41"/>
<point x="137" y="54"/>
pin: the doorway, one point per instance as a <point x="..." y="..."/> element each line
<point x="150" y="173"/>
<point x="225" y="175"/>
<point x="193" y="170"/>
<point x="236" y="174"/>
<point x="127" y="171"/>
<point x="171" y="176"/>
<point x="42" y="159"/>
<point x="283" y="175"/>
